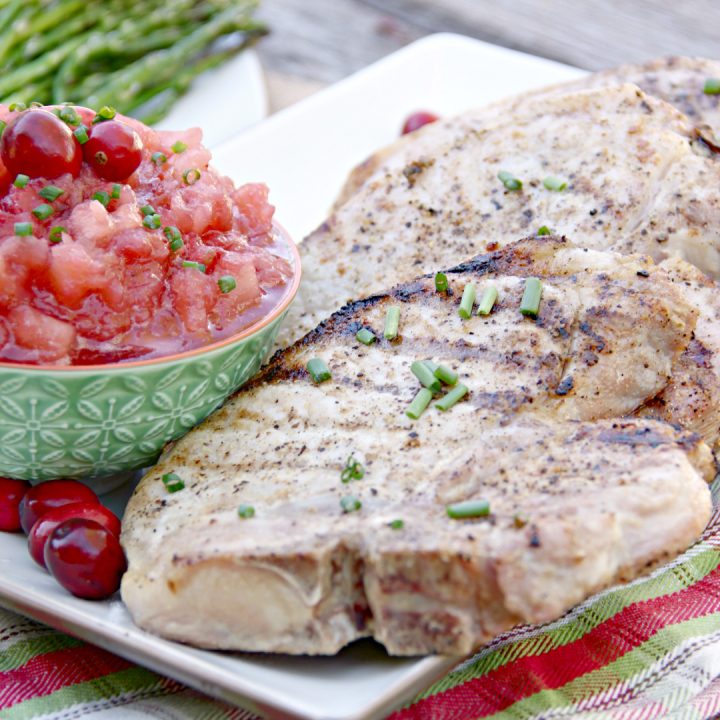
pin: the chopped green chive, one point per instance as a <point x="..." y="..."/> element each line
<point x="432" y="367"/>
<point x="43" y="212"/>
<point x="318" y="370"/>
<point x="159" y="158"/>
<point x="152" y="222"/>
<point x="350" y="503"/>
<point x="353" y="470"/>
<point x="81" y="134"/>
<point x="712" y="86"/>
<point x="3" y="125"/>
<point x="102" y="197"/>
<point x="68" y="115"/>
<point x="397" y="524"/>
<point x="17" y="107"/>
<point x="56" y="232"/>
<point x="175" y="241"/>
<point x="509" y="180"/>
<point x="544" y="230"/>
<point x="116" y="190"/>
<point x="445" y="375"/>
<point x="392" y="322"/>
<point x="192" y="264"/>
<point x="173" y="482"/>
<point x="447" y="401"/>
<point x="226" y="283"/>
<point x="246" y="511"/>
<point x="419" y="403"/>
<point x="530" y="303"/>
<point x="148" y="210"/>
<point x="365" y="336"/>
<point x="21" y="181"/>
<point x="425" y="375"/>
<point x="51" y="192"/>
<point x="23" y="229"/>
<point x="179" y="147"/>
<point x="468" y="509"/>
<point x="467" y="302"/>
<point x="175" y="244"/>
<point x="104" y="113"/>
<point x="554" y="183"/>
<point x="488" y="300"/>
<point x="441" y="282"/>
<point x="191" y="176"/>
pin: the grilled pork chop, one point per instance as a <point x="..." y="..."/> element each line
<point x="577" y="499"/>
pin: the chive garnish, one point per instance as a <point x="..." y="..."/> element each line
<point x="191" y="176"/>
<point x="3" y="125"/>
<point x="530" y="303"/>
<point x="246" y="511"/>
<point x="365" y="336"/>
<point x="318" y="370"/>
<point x="544" y="230"/>
<point x="509" y="180"/>
<point x="425" y="375"/>
<point x="397" y="524"/>
<point x="102" y="197"/>
<point x="488" y="300"/>
<point x="17" y="107"/>
<point x="153" y="222"/>
<point x="21" y="181"/>
<point x="468" y="509"/>
<point x="175" y="241"/>
<point x="712" y="86"/>
<point x="81" y="134"/>
<point x="467" y="302"/>
<point x="68" y="115"/>
<point x="148" y="210"/>
<point x="56" y="232"/>
<point x="116" y="190"/>
<point x="23" y="229"/>
<point x="51" y="192"/>
<point x="441" y="282"/>
<point x="226" y="283"/>
<point x="179" y="147"/>
<point x="158" y="158"/>
<point x="191" y="263"/>
<point x="447" y="401"/>
<point x="350" y="503"/>
<point x="172" y="482"/>
<point x="419" y="403"/>
<point x="353" y="470"/>
<point x="104" y="113"/>
<point x="43" y="212"/>
<point x="445" y="375"/>
<point x="392" y="322"/>
<point x="432" y="367"/>
<point x="554" y="183"/>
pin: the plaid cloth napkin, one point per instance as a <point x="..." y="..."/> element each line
<point x="650" y="649"/>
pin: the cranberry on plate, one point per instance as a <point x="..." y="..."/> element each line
<point x="85" y="558"/>
<point x="114" y="150"/>
<point x="52" y="494"/>
<point x="417" y="120"/>
<point x="11" y="493"/>
<point x="45" y="525"/>
<point x="38" y="144"/>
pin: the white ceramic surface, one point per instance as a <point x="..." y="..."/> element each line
<point x="303" y="154"/>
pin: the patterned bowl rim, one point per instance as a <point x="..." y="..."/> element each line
<point x="277" y="311"/>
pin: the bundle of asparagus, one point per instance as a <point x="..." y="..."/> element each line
<point x="137" y="55"/>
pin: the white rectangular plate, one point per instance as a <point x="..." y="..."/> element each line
<point x="303" y="154"/>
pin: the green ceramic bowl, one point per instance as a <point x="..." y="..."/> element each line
<point x="96" y="421"/>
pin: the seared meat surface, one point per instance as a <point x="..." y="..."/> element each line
<point x="578" y="499"/>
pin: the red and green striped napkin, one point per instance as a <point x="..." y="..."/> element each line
<point x="650" y="649"/>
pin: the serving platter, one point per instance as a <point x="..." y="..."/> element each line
<point x="303" y="154"/>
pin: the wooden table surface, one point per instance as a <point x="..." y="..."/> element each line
<point x="317" y="42"/>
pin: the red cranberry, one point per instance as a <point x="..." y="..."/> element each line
<point x="85" y="558"/>
<point x="114" y="150"/>
<point x="52" y="494"/>
<point x="45" y="525"/>
<point x="11" y="493"/>
<point x="417" y="120"/>
<point x="39" y="144"/>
